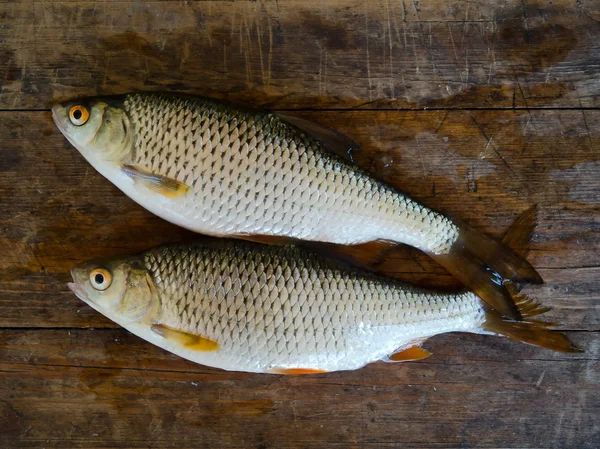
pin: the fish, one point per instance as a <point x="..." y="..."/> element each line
<point x="226" y="171"/>
<point x="243" y="306"/>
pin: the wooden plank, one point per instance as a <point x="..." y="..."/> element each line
<point x="107" y="388"/>
<point x="484" y="167"/>
<point x="298" y="54"/>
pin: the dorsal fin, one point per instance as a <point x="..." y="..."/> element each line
<point x="332" y="140"/>
<point x="518" y="237"/>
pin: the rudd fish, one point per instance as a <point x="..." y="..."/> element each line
<point x="223" y="171"/>
<point x="268" y="309"/>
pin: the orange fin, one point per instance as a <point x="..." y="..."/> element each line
<point x="296" y="371"/>
<point x="332" y="140"/>
<point x="529" y="331"/>
<point x="408" y="354"/>
<point x="185" y="339"/>
<point x="168" y="187"/>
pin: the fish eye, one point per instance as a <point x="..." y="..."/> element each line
<point x="100" y="279"/>
<point x="78" y="115"/>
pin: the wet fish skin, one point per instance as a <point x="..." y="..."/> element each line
<point x="224" y="171"/>
<point x="271" y="308"/>
<point x="249" y="172"/>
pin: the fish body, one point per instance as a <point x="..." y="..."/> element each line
<point x="267" y="309"/>
<point x="225" y="171"/>
<point x="251" y="172"/>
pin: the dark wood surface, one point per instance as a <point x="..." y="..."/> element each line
<point x="475" y="109"/>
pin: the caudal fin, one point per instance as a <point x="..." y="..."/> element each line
<point x="483" y="264"/>
<point x="529" y="330"/>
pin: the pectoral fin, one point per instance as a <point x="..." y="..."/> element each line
<point x="409" y="354"/>
<point x="185" y="339"/>
<point x="168" y="187"/>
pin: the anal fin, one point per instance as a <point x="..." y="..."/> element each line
<point x="185" y="339"/>
<point x="168" y="187"/>
<point x="408" y="354"/>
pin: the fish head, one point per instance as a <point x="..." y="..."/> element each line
<point x="98" y="127"/>
<point x="122" y="290"/>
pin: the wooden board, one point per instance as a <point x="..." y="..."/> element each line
<point x="512" y="93"/>
<point x="107" y="388"/>
<point x="295" y="54"/>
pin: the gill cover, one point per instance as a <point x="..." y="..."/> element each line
<point x="139" y="298"/>
<point x="98" y="127"/>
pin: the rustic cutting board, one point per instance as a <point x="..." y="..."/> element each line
<point x="476" y="109"/>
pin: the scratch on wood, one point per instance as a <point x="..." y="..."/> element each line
<point x="259" y="45"/>
<point x="270" y="59"/>
<point x="367" y="48"/>
<point x="455" y="54"/>
<point x="480" y="128"/>
<point x="320" y="69"/>
<point x="524" y="15"/>
<point x="420" y="154"/>
<point x="11" y="408"/>
<point x="539" y="382"/>
<point x="245" y="47"/>
<point x="414" y="3"/>
<point x="325" y="76"/>
<point x="391" y="49"/>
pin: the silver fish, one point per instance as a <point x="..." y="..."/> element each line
<point x="267" y="309"/>
<point x="224" y="171"/>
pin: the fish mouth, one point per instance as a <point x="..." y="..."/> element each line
<point x="79" y="291"/>
<point x="56" y="117"/>
<point x="78" y="288"/>
<point x="60" y="122"/>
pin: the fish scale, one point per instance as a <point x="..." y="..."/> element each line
<point x="283" y="307"/>
<point x="252" y="173"/>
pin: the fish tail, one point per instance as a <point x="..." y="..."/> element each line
<point x="483" y="264"/>
<point x="530" y="330"/>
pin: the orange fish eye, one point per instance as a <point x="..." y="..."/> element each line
<point x="78" y="115"/>
<point x="100" y="279"/>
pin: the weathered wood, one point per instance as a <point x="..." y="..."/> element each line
<point x="71" y="378"/>
<point x="107" y="388"/>
<point x="295" y="54"/>
<point x="484" y="167"/>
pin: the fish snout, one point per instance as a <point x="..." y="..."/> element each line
<point x="59" y="116"/>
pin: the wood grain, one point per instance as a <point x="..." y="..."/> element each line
<point x="108" y="388"/>
<point x="298" y="54"/>
<point x="475" y="108"/>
